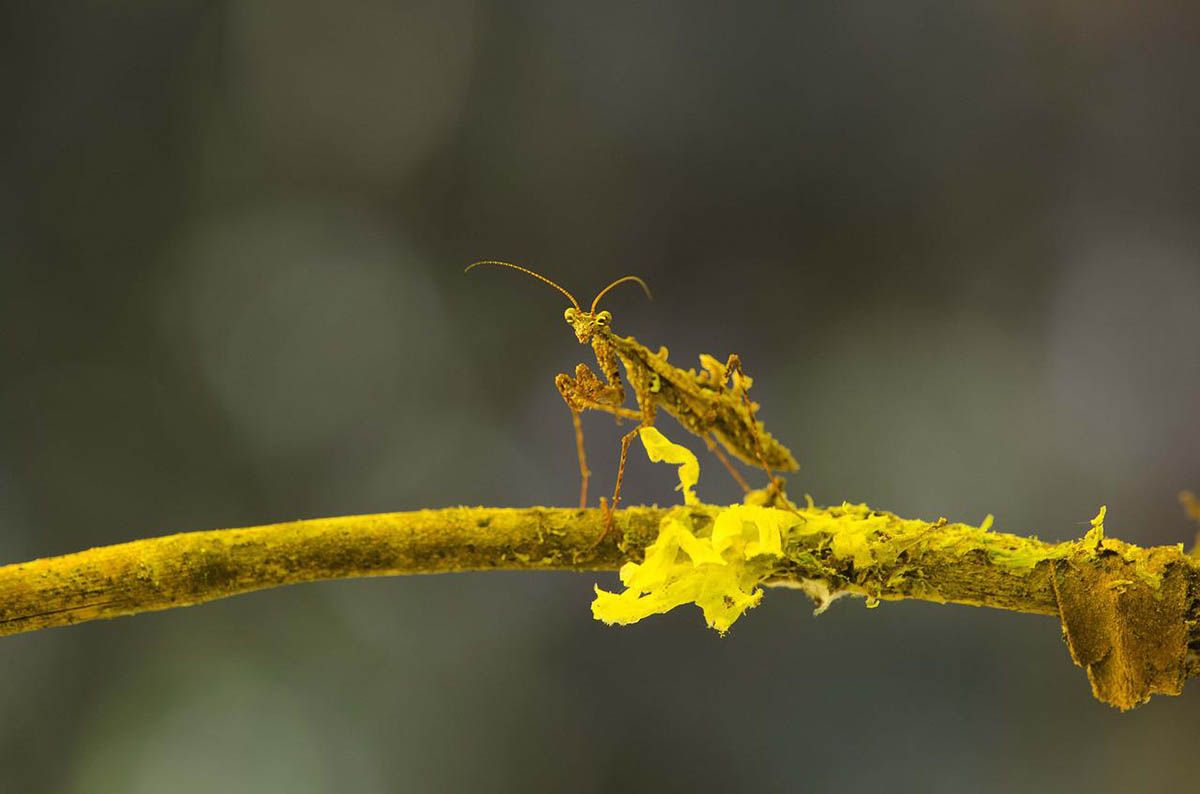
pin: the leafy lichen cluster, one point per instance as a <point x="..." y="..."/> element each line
<point x="717" y="565"/>
<point x="1129" y="615"/>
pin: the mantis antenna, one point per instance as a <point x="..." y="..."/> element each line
<point x="621" y="280"/>
<point x="529" y="272"/>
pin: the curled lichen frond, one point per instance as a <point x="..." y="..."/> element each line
<point x="660" y="450"/>
<point x="715" y="565"/>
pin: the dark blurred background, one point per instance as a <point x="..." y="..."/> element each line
<point x="956" y="245"/>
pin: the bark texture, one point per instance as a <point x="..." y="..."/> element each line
<point x="1129" y="614"/>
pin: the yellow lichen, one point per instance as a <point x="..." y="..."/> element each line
<point x="719" y="560"/>
<point x="718" y="566"/>
<point x="661" y="450"/>
<point x="1095" y="536"/>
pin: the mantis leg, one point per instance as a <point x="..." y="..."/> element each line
<point x="647" y="420"/>
<point x="733" y="368"/>
<point x="734" y="473"/>
<point x="584" y="473"/>
<point x="587" y="392"/>
<point x="626" y="440"/>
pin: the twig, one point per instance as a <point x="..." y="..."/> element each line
<point x="1129" y="614"/>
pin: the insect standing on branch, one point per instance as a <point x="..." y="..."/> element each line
<point x="712" y="404"/>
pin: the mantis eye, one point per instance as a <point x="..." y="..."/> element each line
<point x="603" y="318"/>
<point x="569" y="315"/>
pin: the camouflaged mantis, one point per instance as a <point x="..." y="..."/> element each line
<point x="712" y="404"/>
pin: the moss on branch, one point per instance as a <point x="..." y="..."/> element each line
<point x="1129" y="614"/>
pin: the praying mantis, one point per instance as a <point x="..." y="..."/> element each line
<point x="713" y="404"/>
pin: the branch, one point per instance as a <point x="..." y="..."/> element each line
<point x="1130" y="615"/>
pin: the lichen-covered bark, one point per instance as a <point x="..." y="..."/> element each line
<point x="194" y="567"/>
<point x="1129" y="614"/>
<point x="1129" y="634"/>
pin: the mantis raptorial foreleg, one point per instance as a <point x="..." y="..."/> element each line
<point x="587" y="392"/>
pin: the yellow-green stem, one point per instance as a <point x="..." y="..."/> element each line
<point x="1111" y="596"/>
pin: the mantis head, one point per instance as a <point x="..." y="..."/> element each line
<point x="586" y="324"/>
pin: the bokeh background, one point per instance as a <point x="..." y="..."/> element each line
<point x="956" y="245"/>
